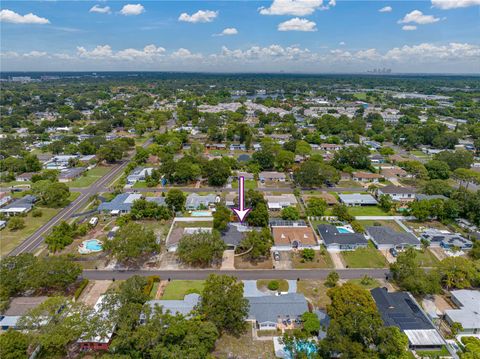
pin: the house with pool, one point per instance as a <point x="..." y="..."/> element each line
<point x="123" y="203"/>
<point x="386" y="238"/>
<point x="341" y="238"/>
<point x="201" y="202"/>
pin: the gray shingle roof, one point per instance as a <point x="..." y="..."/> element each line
<point x="183" y="307"/>
<point x="331" y="235"/>
<point x="386" y="235"/>
<point x="270" y="308"/>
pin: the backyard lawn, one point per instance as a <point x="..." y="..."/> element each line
<point x="89" y="177"/>
<point x="368" y="257"/>
<point x="10" y="239"/>
<point x="315" y="291"/>
<point x="177" y="289"/>
<point x="243" y="346"/>
<point x="366" y="211"/>
<point x="319" y="261"/>
<point x="392" y="224"/>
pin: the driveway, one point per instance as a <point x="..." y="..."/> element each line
<point x="438" y="252"/>
<point x="93" y="291"/>
<point x="337" y="260"/>
<point x="250" y="289"/>
<point x="388" y="255"/>
<point x="285" y="261"/>
<point x="228" y="259"/>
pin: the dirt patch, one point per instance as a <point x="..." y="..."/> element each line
<point x="243" y="263"/>
<point x="93" y="291"/>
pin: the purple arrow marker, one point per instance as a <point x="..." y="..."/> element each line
<point x="241" y="212"/>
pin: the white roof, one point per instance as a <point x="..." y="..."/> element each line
<point x="133" y="197"/>
<point x="424" y="337"/>
<point x="469" y="313"/>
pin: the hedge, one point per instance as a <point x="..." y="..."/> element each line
<point x="151" y="280"/>
<point x="80" y="288"/>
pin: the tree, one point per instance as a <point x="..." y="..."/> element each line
<point x="316" y="206"/>
<point x="392" y="343"/>
<point x="175" y="200"/>
<point x="132" y="242"/>
<point x="290" y="213"/>
<point x="257" y="244"/>
<point x="53" y="273"/>
<point x="217" y="171"/>
<point x="258" y="216"/>
<point x="16" y="223"/>
<point x="313" y="173"/>
<point x="455" y="159"/>
<point x="385" y="202"/>
<point x="221" y="218"/>
<point x="341" y="212"/>
<point x="475" y="251"/>
<point x="409" y="276"/>
<point x="51" y="194"/>
<point x="201" y="249"/>
<point x="438" y="169"/>
<point x="61" y="236"/>
<point x="311" y="323"/>
<point x="466" y="176"/>
<point x="265" y="158"/>
<point x="332" y="279"/>
<point x="14" y="345"/>
<point x="111" y="152"/>
<point x="353" y="156"/>
<point x="457" y="272"/>
<point x="142" y="208"/>
<point x="223" y="304"/>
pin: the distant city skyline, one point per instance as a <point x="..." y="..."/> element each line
<point x="302" y="36"/>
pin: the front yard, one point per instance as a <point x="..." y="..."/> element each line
<point x="178" y="289"/>
<point x="368" y="257"/>
<point x="89" y="177"/>
<point x="366" y="211"/>
<point x="426" y="258"/>
<point x="243" y="263"/>
<point x="249" y="184"/>
<point x="315" y="291"/>
<point x="321" y="260"/>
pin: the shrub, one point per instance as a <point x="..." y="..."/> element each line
<point x="273" y="285"/>
<point x="80" y="288"/>
<point x="332" y="279"/>
<point x="16" y="223"/>
<point x="151" y="280"/>
<point x="37" y="213"/>
<point x="357" y="227"/>
<point x="308" y="254"/>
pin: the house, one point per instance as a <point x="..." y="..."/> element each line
<point x="269" y="312"/>
<point x="139" y="174"/>
<point x="103" y="340"/>
<point x="400" y="309"/>
<point x="237" y="147"/>
<point x="24" y="177"/>
<point x="468" y="313"/>
<point x="366" y="177"/>
<point x="357" y="199"/>
<point x="272" y="176"/>
<point x="195" y="201"/>
<point x="19" y="206"/>
<point x="123" y="202"/>
<point x="234" y="234"/>
<point x="174" y="307"/>
<point x="18" y="307"/>
<point x="276" y="203"/>
<point x="60" y="162"/>
<point x="246" y="175"/>
<point x="341" y="238"/>
<point x="397" y="193"/>
<point x="385" y="238"/>
<point x="446" y="239"/>
<point x="215" y="146"/>
<point x="372" y="144"/>
<point x="230" y="199"/>
<point x="394" y="173"/>
<point x="330" y="147"/>
<point x="69" y="174"/>
<point x="4" y="198"/>
<point x="377" y="159"/>
<point x="293" y="237"/>
<point x="178" y="233"/>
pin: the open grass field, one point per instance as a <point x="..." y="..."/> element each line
<point x="426" y="258"/>
<point x="366" y="211"/>
<point x="368" y="257"/>
<point x="243" y="347"/>
<point x="315" y="291"/>
<point x="320" y="261"/>
<point x="392" y="224"/>
<point x="249" y="184"/>
<point x="89" y="177"/>
<point x="10" y="239"/>
<point x="177" y="289"/>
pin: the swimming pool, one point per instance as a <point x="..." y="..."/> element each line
<point x="90" y="246"/>
<point x="305" y="347"/>
<point x="201" y="214"/>
<point x="344" y="230"/>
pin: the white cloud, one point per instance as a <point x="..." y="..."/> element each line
<point x="229" y="31"/>
<point x="386" y="9"/>
<point x="185" y="54"/>
<point x="434" y="53"/>
<point x="417" y="17"/>
<point x="454" y="4"/>
<point x="100" y="10"/>
<point x="297" y="24"/>
<point x="132" y="9"/>
<point x="295" y="7"/>
<point x="342" y="43"/>
<point x="11" y="16"/>
<point x="35" y="54"/>
<point x="148" y="53"/>
<point x="199" y="16"/>
<point x="409" y="28"/>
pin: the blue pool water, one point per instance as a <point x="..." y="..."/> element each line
<point x="201" y="214"/>
<point x="343" y="230"/>
<point x="305" y="347"/>
<point x="93" y="245"/>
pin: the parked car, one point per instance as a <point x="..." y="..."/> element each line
<point x="393" y="252"/>
<point x="276" y="256"/>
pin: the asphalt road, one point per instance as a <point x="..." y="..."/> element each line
<point x="240" y="274"/>
<point x="30" y="244"/>
<point x="261" y="189"/>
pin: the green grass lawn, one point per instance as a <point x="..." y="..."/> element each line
<point x="10" y="239"/>
<point x="348" y="184"/>
<point x="372" y="283"/>
<point x="89" y="177"/>
<point x="366" y="211"/>
<point x="433" y="353"/>
<point x="262" y="284"/>
<point x="362" y="96"/>
<point x="320" y="261"/>
<point x="218" y="152"/>
<point x="426" y="258"/>
<point x="73" y="196"/>
<point x="15" y="183"/>
<point x="154" y="290"/>
<point x="368" y="257"/>
<point x="177" y="289"/>
<point x="249" y="184"/>
<point x="315" y="291"/>
<point x="140" y="184"/>
<point x="392" y="224"/>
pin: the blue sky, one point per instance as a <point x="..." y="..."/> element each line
<point x="276" y="35"/>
